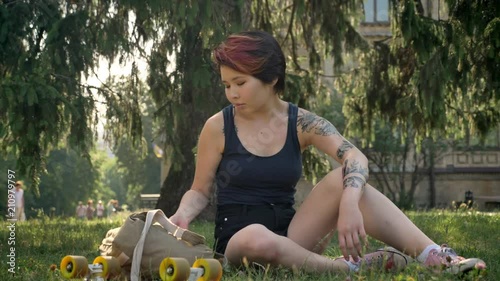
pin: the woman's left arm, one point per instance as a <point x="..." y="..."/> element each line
<point x="320" y="133"/>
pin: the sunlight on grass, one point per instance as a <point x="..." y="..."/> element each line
<point x="42" y="243"/>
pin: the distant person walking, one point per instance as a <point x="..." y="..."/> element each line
<point x="90" y="210"/>
<point x="19" y="215"/>
<point x="81" y="210"/>
<point x="110" y="208"/>
<point x="99" y="210"/>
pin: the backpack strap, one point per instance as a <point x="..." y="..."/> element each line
<point x="157" y="216"/>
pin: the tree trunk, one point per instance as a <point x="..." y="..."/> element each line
<point x="211" y="99"/>
<point x="432" y="175"/>
<point x="403" y="195"/>
<point x="179" y="181"/>
<point x="414" y="175"/>
<point x="189" y="125"/>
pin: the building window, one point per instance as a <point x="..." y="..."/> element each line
<point x="376" y="11"/>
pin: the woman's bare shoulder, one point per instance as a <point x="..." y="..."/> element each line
<point x="302" y="111"/>
<point x="213" y="132"/>
<point x="215" y="123"/>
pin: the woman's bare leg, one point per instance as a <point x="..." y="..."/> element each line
<point x="317" y="218"/>
<point x="314" y="223"/>
<point x="386" y="222"/>
<point x="258" y="244"/>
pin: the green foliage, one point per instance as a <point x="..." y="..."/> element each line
<point x="108" y="183"/>
<point x="112" y="177"/>
<point x="433" y="76"/>
<point x="398" y="163"/>
<point x="46" y="49"/>
<point x="184" y="47"/>
<point x="436" y="76"/>
<point x="137" y="165"/>
<point x="69" y="179"/>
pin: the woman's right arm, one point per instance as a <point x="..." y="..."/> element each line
<point x="209" y="154"/>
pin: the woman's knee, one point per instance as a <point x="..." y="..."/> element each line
<point x="333" y="179"/>
<point x="255" y="242"/>
<point x="317" y="216"/>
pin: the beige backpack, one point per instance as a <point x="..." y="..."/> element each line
<point x="145" y="239"/>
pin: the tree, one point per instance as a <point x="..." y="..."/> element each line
<point x="188" y="95"/>
<point x="47" y="48"/>
<point x="433" y="79"/>
<point x="294" y="23"/>
<point x="398" y="165"/>
<point x="7" y="162"/>
<point x="109" y="183"/>
<point x="69" y="179"/>
<point x="437" y="76"/>
<point x="137" y="164"/>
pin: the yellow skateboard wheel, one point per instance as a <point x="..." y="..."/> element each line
<point x="174" y="269"/>
<point x="74" y="267"/>
<point x="110" y="266"/>
<point x="211" y="267"/>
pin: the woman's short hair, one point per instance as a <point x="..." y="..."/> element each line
<point x="256" y="53"/>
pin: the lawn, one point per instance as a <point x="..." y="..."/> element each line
<point x="41" y="243"/>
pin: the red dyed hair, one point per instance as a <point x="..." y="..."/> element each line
<point x="256" y="53"/>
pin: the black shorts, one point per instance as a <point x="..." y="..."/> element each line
<point x="232" y="218"/>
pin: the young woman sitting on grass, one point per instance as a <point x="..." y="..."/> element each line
<point x="252" y="150"/>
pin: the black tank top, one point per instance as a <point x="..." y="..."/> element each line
<point x="245" y="178"/>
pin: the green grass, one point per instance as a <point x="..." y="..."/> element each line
<point x="43" y="242"/>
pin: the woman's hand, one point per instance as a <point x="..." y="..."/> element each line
<point x="192" y="203"/>
<point x="351" y="230"/>
<point x="179" y="221"/>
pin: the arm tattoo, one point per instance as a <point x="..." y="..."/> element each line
<point x="354" y="181"/>
<point x="321" y="126"/>
<point x="354" y="167"/>
<point x="343" y="149"/>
